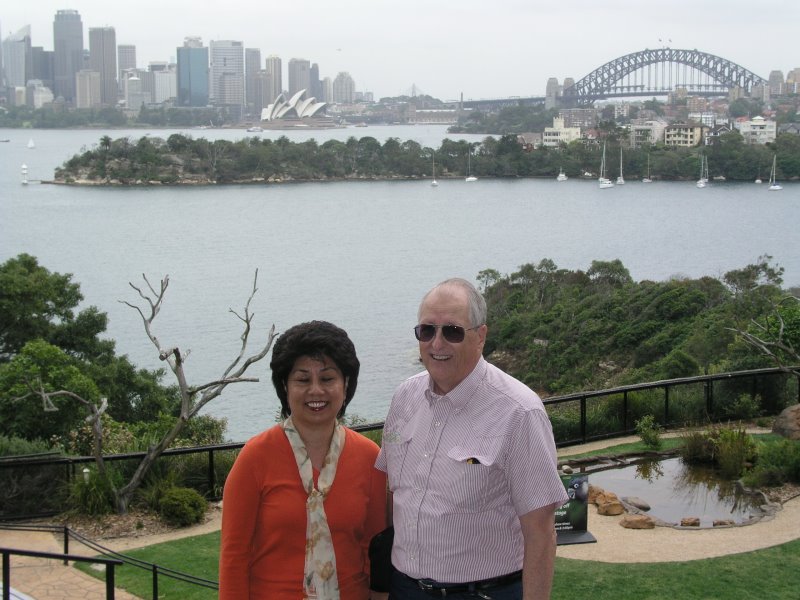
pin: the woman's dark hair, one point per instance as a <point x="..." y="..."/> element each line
<point x="315" y="339"/>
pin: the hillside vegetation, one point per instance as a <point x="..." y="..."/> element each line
<point x="563" y="331"/>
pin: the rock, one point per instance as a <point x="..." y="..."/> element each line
<point x="724" y="523"/>
<point x="690" y="522"/>
<point x="637" y="502"/>
<point x="787" y="424"/>
<point x="566" y="469"/>
<point x="610" y="508"/>
<point x="637" y="522"/>
<point x="598" y="494"/>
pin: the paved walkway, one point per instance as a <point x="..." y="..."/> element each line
<point x="50" y="580"/>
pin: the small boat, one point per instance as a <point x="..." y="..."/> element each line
<point x="701" y="183"/>
<point x="620" y="179"/>
<point x="774" y="185"/>
<point x="24" y="174"/>
<point x="561" y="176"/>
<point x="604" y="181"/>
<point x="31" y="144"/>
<point x="647" y="178"/>
<point x="470" y="177"/>
<point x="434" y="183"/>
<point x="4" y="141"/>
<point x="255" y="129"/>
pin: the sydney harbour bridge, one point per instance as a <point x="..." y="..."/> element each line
<point x="647" y="73"/>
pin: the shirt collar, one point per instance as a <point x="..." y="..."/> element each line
<point x="460" y="395"/>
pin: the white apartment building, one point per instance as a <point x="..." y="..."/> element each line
<point x="681" y="134"/>
<point x="646" y="132"/>
<point x="559" y="134"/>
<point x="757" y="130"/>
<point x="165" y="86"/>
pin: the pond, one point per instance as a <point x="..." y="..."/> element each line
<point x="674" y="490"/>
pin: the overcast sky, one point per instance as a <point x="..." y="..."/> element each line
<point x="479" y="48"/>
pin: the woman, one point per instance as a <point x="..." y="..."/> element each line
<point x="303" y="498"/>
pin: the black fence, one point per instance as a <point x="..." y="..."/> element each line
<point x="109" y="558"/>
<point x="37" y="486"/>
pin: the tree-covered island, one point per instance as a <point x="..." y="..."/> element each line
<point x="184" y="160"/>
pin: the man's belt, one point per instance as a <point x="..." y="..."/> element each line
<point x="441" y="590"/>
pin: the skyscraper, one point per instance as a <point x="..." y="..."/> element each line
<point x="126" y="59"/>
<point x="68" y="52"/>
<point x="103" y="59"/>
<point x="227" y="75"/>
<point x="252" y="65"/>
<point x="299" y="75"/>
<point x="192" y="73"/>
<point x="315" y="86"/>
<point x="17" y="57"/>
<point x="344" y="89"/>
<point x="274" y="77"/>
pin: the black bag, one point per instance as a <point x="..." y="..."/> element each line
<point x="380" y="560"/>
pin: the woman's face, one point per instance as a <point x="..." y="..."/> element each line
<point x="315" y="391"/>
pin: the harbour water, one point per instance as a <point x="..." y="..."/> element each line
<point x="359" y="254"/>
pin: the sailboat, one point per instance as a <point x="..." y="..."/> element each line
<point x="470" y="177"/>
<point x="774" y="185"/>
<point x="646" y="178"/>
<point x="31" y="144"/>
<point x="434" y="183"/>
<point x="561" y="176"/>
<point x="701" y="183"/>
<point x="603" y="180"/>
<point x="620" y="179"/>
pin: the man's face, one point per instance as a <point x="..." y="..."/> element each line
<point x="449" y="363"/>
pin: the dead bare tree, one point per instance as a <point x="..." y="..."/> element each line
<point x="193" y="398"/>
<point x="771" y="337"/>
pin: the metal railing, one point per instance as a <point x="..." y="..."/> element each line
<point x="577" y="419"/>
<point x="110" y="558"/>
<point x="109" y="563"/>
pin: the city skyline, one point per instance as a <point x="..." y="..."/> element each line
<point x="508" y="50"/>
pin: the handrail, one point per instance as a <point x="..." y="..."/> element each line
<point x="118" y="557"/>
<point x="110" y="563"/>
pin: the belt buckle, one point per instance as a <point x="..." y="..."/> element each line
<point x="426" y="584"/>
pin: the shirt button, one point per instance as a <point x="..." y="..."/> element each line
<point x="438" y="424"/>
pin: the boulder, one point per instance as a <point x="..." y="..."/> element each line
<point x="610" y="508"/>
<point x="637" y="502"/>
<point x="690" y="522"/>
<point x="724" y="523"/>
<point x="787" y="424"/>
<point x="637" y="522"/>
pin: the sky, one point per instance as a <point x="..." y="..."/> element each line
<point x="445" y="49"/>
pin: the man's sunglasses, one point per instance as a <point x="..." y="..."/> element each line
<point x="454" y="334"/>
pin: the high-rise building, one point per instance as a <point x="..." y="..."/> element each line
<point x="164" y="85"/>
<point x="192" y="73"/>
<point x="88" y="91"/>
<point x="315" y="86"/>
<point x="344" y="89"/>
<point x="126" y="59"/>
<point x="67" y="52"/>
<point x="252" y="66"/>
<point x="227" y="75"/>
<point x="103" y="59"/>
<point x="274" y="77"/>
<point x="299" y="75"/>
<point x="17" y="57"/>
<point x="327" y="90"/>
<point x="42" y="65"/>
<point x="775" y="82"/>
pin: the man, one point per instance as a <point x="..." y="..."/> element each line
<point x="471" y="462"/>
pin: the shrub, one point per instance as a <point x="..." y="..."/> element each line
<point x="698" y="448"/>
<point x="182" y="507"/>
<point x="93" y="494"/>
<point x="15" y="446"/>
<point x="777" y="463"/>
<point x="735" y="450"/>
<point x="649" y="431"/>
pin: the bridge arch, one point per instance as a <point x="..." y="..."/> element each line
<point x="613" y="79"/>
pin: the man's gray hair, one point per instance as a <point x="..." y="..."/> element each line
<point x="475" y="300"/>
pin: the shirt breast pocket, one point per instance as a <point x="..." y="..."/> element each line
<point x="475" y="478"/>
<point x="395" y="444"/>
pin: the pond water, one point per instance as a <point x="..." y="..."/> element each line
<point x="675" y="490"/>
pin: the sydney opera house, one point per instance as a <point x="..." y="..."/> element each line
<point x="296" y="112"/>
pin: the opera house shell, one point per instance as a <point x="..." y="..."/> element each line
<point x="296" y="112"/>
